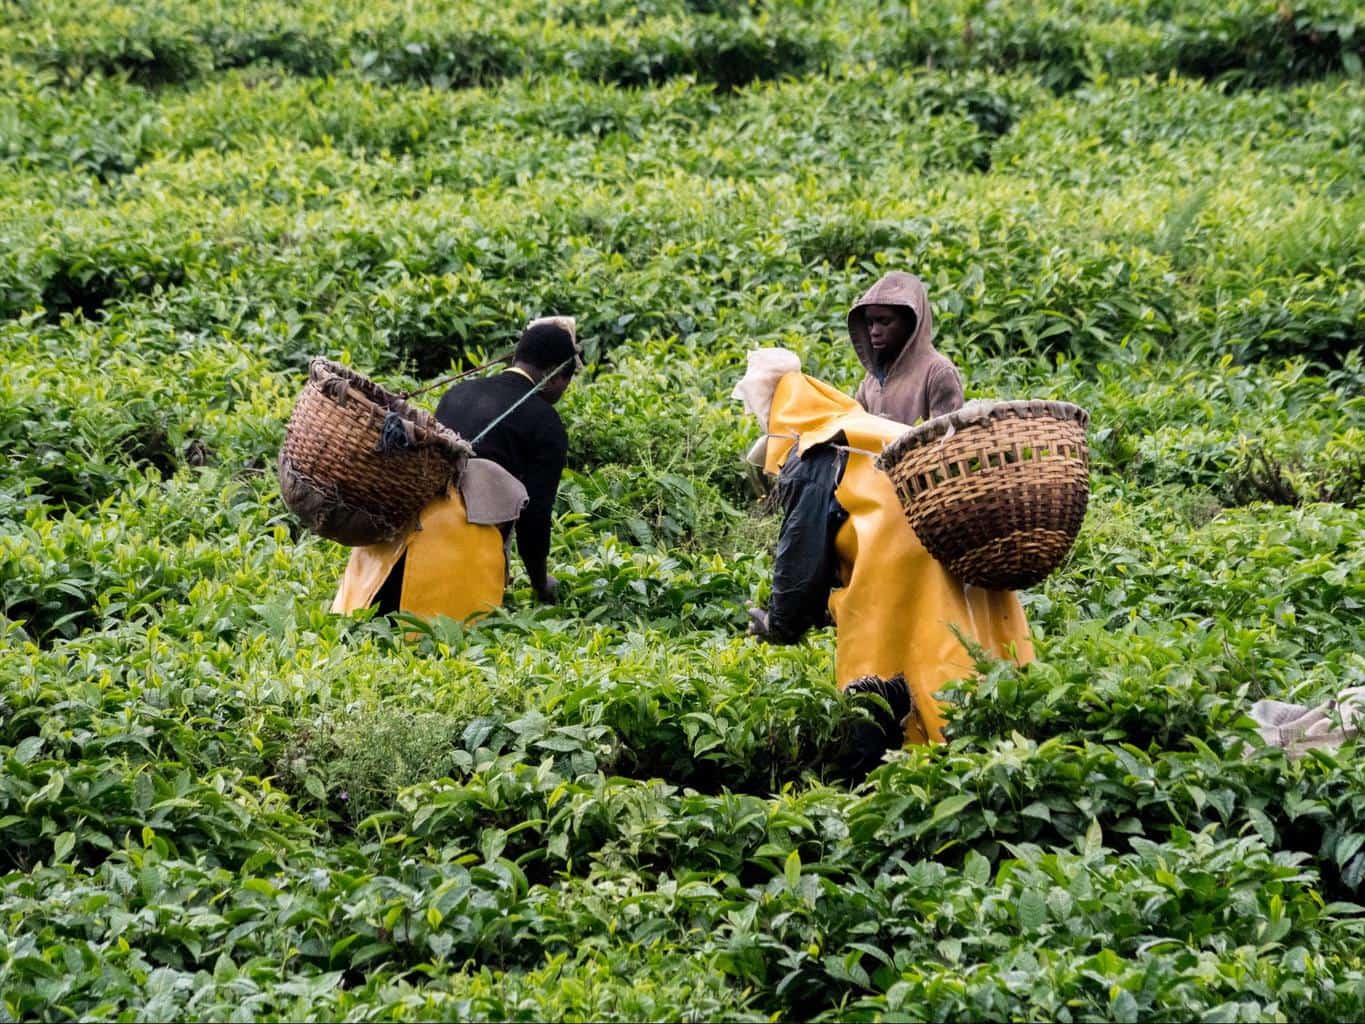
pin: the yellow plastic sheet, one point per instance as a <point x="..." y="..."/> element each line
<point x="454" y="568"/>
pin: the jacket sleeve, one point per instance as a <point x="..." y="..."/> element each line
<point x="944" y="389"/>
<point x="542" y="484"/>
<point x="804" y="566"/>
<point x="860" y="396"/>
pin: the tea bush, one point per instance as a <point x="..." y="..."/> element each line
<point x="219" y="801"/>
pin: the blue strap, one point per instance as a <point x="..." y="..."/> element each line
<point x="515" y="405"/>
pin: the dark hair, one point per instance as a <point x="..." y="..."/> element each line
<point x="546" y="347"/>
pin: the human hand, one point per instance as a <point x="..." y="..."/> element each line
<point x="758" y="621"/>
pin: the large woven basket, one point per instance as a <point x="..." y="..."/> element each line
<point x="997" y="490"/>
<point x="358" y="463"/>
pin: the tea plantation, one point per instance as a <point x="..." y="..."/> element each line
<point x="219" y="802"/>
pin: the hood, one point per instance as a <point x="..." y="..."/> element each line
<point x="895" y="289"/>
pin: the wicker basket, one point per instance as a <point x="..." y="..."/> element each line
<point x="997" y="490"/>
<point x="358" y="463"/>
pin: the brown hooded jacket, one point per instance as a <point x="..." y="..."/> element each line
<point x="921" y="382"/>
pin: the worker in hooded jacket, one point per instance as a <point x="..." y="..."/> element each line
<point x="846" y="552"/>
<point x="892" y="330"/>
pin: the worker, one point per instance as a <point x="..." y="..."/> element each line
<point x="455" y="561"/>
<point x="846" y="553"/>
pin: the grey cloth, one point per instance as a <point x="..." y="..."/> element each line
<point x="1298" y="729"/>
<point x="492" y="496"/>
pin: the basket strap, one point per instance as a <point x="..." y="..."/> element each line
<point x="855" y="451"/>
<point x="497" y="360"/>
<point x="837" y="447"/>
<point x="515" y="405"/>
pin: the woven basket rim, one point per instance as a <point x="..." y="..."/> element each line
<point x="978" y="413"/>
<point x="428" y="430"/>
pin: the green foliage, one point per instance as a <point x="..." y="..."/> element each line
<point x="220" y="802"/>
<point x="1249" y="42"/>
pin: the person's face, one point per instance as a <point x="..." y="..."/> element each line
<point x="888" y="329"/>
<point x="559" y="384"/>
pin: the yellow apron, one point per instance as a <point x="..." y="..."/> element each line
<point x="898" y="607"/>
<point x="454" y="567"/>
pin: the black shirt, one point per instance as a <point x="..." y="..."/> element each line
<point x="530" y="443"/>
<point x="805" y="565"/>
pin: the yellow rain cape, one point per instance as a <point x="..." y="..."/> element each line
<point x="898" y="607"/>
<point x="454" y="567"/>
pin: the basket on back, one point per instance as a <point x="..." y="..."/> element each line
<point x="358" y="463"/>
<point x="997" y="490"/>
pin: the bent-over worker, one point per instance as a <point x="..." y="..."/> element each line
<point x="530" y="442"/>
<point x="847" y="550"/>
<point x="454" y="563"/>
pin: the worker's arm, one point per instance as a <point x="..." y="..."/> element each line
<point x="804" y="565"/>
<point x="543" y="470"/>
<point x="945" y="390"/>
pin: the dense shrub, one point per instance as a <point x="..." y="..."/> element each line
<point x="219" y="801"/>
